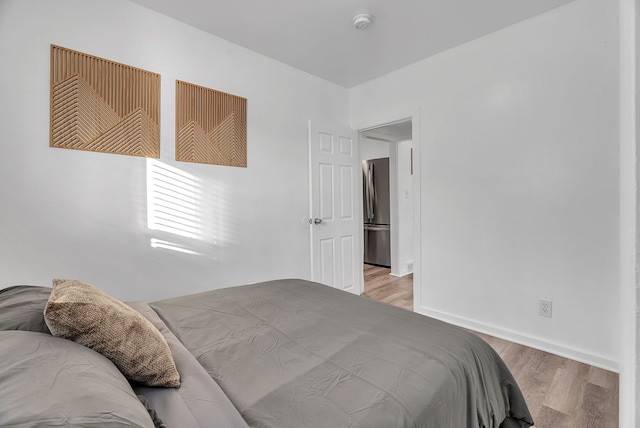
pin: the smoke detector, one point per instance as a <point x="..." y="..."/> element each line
<point x="362" y="21"/>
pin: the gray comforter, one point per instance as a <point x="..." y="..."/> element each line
<point x="293" y="353"/>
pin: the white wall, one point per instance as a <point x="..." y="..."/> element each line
<point x="76" y="214"/>
<point x="518" y="156"/>
<point x="405" y="208"/>
<point x="519" y="179"/>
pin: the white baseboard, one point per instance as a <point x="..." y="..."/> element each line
<point x="399" y="276"/>
<point x="524" y="339"/>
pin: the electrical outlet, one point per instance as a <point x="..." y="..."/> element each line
<point x="545" y="308"/>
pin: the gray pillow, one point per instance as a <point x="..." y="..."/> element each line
<point x="89" y="316"/>
<point x="50" y="381"/>
<point x="22" y="306"/>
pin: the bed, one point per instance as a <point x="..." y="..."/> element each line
<point x="278" y="354"/>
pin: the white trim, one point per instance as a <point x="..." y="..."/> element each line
<point x="310" y="189"/>
<point x="400" y="275"/>
<point x="394" y="204"/>
<point x="576" y="354"/>
<point x="370" y="129"/>
<point x="629" y="306"/>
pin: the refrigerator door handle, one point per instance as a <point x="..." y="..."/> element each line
<point x="367" y="190"/>
<point x="377" y="227"/>
<point x="370" y="193"/>
<point x="373" y="191"/>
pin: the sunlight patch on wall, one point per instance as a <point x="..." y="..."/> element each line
<point x="172" y="200"/>
<point x="159" y="243"/>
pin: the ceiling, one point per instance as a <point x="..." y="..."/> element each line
<point x="319" y="37"/>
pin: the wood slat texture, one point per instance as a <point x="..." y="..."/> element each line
<point x="103" y="106"/>
<point x="211" y="126"/>
<point x="561" y="393"/>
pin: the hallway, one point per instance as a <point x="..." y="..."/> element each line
<point x="379" y="285"/>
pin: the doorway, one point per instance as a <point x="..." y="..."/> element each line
<point x="392" y="281"/>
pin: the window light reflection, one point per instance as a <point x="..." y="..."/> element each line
<point x="158" y="243"/>
<point x="172" y="200"/>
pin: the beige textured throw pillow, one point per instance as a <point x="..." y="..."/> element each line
<point x="87" y="315"/>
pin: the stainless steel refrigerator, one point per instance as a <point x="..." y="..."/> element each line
<point x="376" y="210"/>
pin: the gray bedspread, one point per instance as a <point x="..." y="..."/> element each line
<point x="199" y="400"/>
<point x="293" y="353"/>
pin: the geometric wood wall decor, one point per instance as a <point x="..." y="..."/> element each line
<point x="103" y="106"/>
<point x="211" y="126"/>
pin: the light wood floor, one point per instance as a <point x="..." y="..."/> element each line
<point x="560" y="393"/>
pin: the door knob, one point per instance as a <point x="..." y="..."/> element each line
<point x="315" y="221"/>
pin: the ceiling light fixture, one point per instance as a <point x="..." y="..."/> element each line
<point x="362" y="21"/>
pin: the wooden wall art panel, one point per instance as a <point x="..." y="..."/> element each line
<point x="211" y="126"/>
<point x="103" y="106"/>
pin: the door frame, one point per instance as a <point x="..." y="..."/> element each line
<point x="629" y="388"/>
<point x="376" y="122"/>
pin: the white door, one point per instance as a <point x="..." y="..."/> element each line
<point x="335" y="173"/>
